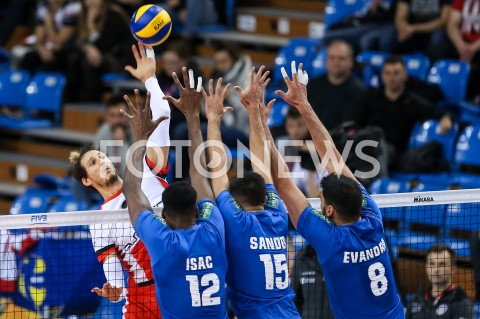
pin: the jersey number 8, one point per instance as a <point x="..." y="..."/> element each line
<point x="378" y="281"/>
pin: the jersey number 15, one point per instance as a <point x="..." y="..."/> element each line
<point x="275" y="264"/>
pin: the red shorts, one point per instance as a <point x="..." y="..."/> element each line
<point x="141" y="303"/>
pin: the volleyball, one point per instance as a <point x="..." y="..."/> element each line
<point x="151" y="25"/>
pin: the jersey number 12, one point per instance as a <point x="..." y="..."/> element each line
<point x="275" y="264"/>
<point x="205" y="299"/>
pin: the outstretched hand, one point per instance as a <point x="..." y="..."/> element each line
<point x="296" y="94"/>
<point x="253" y="95"/>
<point x="189" y="101"/>
<point x="146" y="65"/>
<point x="140" y="118"/>
<point x="108" y="291"/>
<point x="214" y="100"/>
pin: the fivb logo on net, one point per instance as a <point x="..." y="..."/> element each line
<point x="242" y="151"/>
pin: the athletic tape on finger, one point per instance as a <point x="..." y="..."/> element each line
<point x="191" y="78"/>
<point x="305" y="76"/>
<point x="300" y="77"/>
<point x="199" y="84"/>
<point x="284" y="73"/>
<point x="294" y="68"/>
<point x="150" y="53"/>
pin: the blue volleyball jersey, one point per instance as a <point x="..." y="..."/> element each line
<point x="355" y="263"/>
<point x="257" y="278"/>
<point x="189" y="266"/>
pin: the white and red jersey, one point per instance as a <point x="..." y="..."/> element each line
<point x="120" y="238"/>
<point x="8" y="265"/>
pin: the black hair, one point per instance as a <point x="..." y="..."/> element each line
<point x="233" y="49"/>
<point x="78" y="171"/>
<point x="344" y="194"/>
<point x="394" y="59"/>
<point x="179" y="198"/>
<point x="114" y="100"/>
<point x="438" y="248"/>
<point x="249" y="190"/>
<point x="293" y="113"/>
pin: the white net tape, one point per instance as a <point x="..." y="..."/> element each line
<point x="110" y="216"/>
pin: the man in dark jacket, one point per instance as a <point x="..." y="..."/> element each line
<point x="396" y="109"/>
<point x="444" y="299"/>
<point x="309" y="285"/>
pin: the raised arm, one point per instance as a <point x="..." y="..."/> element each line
<point x="142" y="128"/>
<point x="216" y="152"/>
<point x="296" y="96"/>
<point x="158" y="143"/>
<point x="189" y="104"/>
<point x="252" y="99"/>
<point x="292" y="196"/>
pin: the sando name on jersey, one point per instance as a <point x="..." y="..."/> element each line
<point x="268" y="243"/>
<point x="364" y="255"/>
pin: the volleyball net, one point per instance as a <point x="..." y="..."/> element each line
<point x="48" y="266"/>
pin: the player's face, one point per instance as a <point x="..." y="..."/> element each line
<point x="394" y="76"/>
<point x="339" y="60"/>
<point x="114" y="117"/>
<point x="100" y="170"/>
<point x="296" y="129"/>
<point x="223" y="61"/>
<point x="439" y="267"/>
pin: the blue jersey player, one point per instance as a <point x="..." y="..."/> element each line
<point x="256" y="220"/>
<point x="347" y="233"/>
<point x="187" y="245"/>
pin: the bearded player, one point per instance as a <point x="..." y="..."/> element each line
<point x="117" y="245"/>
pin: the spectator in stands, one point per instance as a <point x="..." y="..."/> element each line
<point x="191" y="14"/>
<point x="363" y="29"/>
<point x="475" y="253"/>
<point x="234" y="67"/>
<point x="104" y="43"/>
<point x="421" y="26"/>
<point x="114" y="136"/>
<point x="12" y="14"/>
<point x="177" y="54"/>
<point x="396" y="109"/>
<point x="464" y="31"/>
<point x="444" y="299"/>
<point x="54" y="35"/>
<point x="311" y="296"/>
<point x="297" y="133"/>
<point x="333" y="94"/>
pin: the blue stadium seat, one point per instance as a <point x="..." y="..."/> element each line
<point x="301" y="50"/>
<point x="461" y="217"/>
<point x="468" y="147"/>
<point x="373" y="63"/>
<point x="389" y="186"/>
<point x="431" y="217"/>
<point x="417" y="65"/>
<point x="13" y="85"/>
<point x="465" y="180"/>
<point x="452" y="77"/>
<point x="45" y="94"/>
<point x="429" y="187"/>
<point x="319" y="63"/>
<point x="34" y="201"/>
<point x="427" y="131"/>
<point x="67" y="203"/>
<point x="337" y="10"/>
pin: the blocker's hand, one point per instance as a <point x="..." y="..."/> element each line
<point x="108" y="291"/>
<point x="140" y="119"/>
